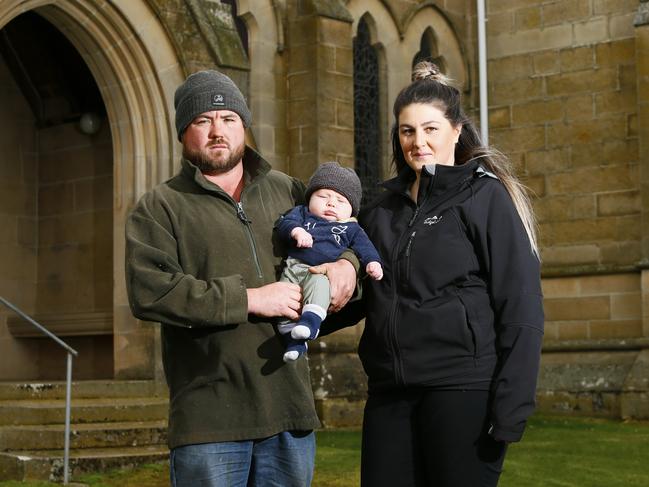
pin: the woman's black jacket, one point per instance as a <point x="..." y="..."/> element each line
<point x="460" y="304"/>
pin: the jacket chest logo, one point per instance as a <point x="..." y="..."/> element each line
<point x="433" y="220"/>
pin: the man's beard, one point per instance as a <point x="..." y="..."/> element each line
<point x="212" y="164"/>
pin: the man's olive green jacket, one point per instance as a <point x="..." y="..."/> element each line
<point x="191" y="252"/>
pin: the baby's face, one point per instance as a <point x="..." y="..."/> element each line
<point x="330" y="205"/>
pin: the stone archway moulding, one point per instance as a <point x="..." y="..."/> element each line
<point x="136" y="70"/>
<point x="263" y="20"/>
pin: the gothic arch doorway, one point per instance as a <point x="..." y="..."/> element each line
<point x="124" y="50"/>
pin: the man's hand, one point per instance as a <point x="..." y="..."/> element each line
<point x="276" y="299"/>
<point x="302" y="237"/>
<point x="342" y="281"/>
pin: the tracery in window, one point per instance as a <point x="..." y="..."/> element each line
<point x="367" y="139"/>
<point x="428" y="51"/>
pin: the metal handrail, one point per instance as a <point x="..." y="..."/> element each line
<point x="68" y="385"/>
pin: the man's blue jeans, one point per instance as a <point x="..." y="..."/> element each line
<point x="283" y="460"/>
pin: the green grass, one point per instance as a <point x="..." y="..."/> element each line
<point x="571" y="452"/>
<point x="555" y="452"/>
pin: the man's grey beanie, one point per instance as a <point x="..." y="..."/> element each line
<point x="343" y="180"/>
<point x="205" y="91"/>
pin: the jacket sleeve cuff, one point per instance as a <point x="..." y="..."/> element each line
<point x="509" y="435"/>
<point x="234" y="308"/>
<point x="350" y="256"/>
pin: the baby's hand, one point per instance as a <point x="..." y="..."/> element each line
<point x="374" y="270"/>
<point x="302" y="237"/>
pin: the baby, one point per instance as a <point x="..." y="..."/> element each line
<point x="319" y="233"/>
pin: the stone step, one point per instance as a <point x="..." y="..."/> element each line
<point x="48" y="464"/>
<point x="52" y="411"/>
<point x="85" y="389"/>
<point x="91" y="435"/>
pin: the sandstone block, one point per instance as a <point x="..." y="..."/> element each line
<point x="546" y="62"/>
<point x="609" y="152"/>
<point x="532" y="40"/>
<point x="626" y="306"/>
<point x="587" y="80"/>
<point x="594" y="30"/>
<point x="335" y="86"/>
<point x="613" y="6"/>
<point x="573" y="330"/>
<point x="623" y="101"/>
<point x="336" y="140"/>
<point x="509" y="68"/>
<point x="301" y="112"/>
<point x="344" y="114"/>
<point x="335" y="32"/>
<point x="615" y="52"/>
<point x="547" y="161"/>
<point x="584" y="207"/>
<point x="527" y="18"/>
<point x="587" y="231"/>
<point x="519" y="139"/>
<point x="577" y="308"/>
<point x="621" y="253"/>
<point x="615" y="329"/>
<point x="340" y="413"/>
<point x="518" y="90"/>
<point x="608" y="284"/>
<point x="561" y="287"/>
<point x="587" y="131"/>
<point x="622" y="203"/>
<point x="571" y="255"/>
<point x="302" y="58"/>
<point x="503" y="5"/>
<point x="302" y="86"/>
<point x="565" y="11"/>
<point x="326" y="57"/>
<point x="579" y="107"/>
<point x="499" y="117"/>
<point x="336" y="375"/>
<point x="537" y="112"/>
<point x="577" y="59"/>
<point x="534" y="185"/>
<point x="344" y="60"/>
<point x="621" y="26"/>
<point x="500" y="22"/>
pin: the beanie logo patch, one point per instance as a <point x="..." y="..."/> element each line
<point x="217" y="100"/>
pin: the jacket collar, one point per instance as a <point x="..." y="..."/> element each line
<point x="254" y="166"/>
<point x="435" y="178"/>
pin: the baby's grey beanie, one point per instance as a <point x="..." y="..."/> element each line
<point x="343" y="180"/>
<point x="205" y="91"/>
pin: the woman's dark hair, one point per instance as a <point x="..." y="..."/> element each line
<point x="430" y="86"/>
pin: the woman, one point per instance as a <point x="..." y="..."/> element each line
<point x="453" y="332"/>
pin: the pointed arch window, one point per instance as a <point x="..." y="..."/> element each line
<point x="428" y="50"/>
<point x="367" y="137"/>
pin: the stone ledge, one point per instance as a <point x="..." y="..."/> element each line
<point x="63" y="324"/>
<point x="596" y="345"/>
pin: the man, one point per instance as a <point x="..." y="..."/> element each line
<point x="200" y="260"/>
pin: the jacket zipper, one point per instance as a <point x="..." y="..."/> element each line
<point x="408" y="248"/>
<point x="251" y="239"/>
<point x="394" y="342"/>
<point x="393" y="312"/>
